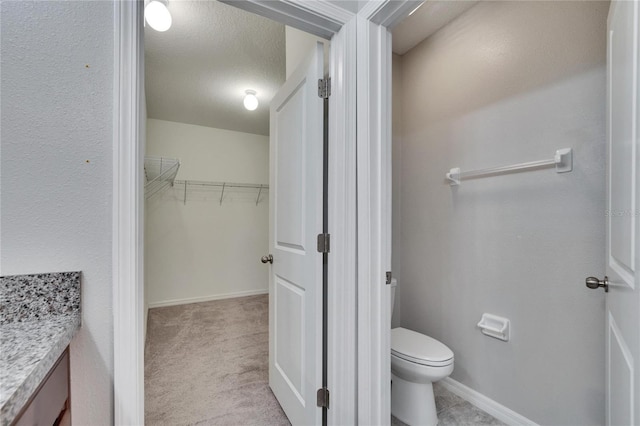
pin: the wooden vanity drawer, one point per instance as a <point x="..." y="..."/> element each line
<point x="50" y="401"/>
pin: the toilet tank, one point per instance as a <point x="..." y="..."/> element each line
<point x="394" y="283"/>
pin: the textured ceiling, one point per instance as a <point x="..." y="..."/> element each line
<point x="198" y="70"/>
<point x="432" y="16"/>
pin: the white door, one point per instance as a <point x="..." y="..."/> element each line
<point x="295" y="220"/>
<point x="622" y="255"/>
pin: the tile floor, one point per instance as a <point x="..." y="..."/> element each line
<point x="455" y="411"/>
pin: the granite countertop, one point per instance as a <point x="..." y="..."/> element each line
<point x="39" y="315"/>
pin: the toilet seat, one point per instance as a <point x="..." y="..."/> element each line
<point x="419" y="349"/>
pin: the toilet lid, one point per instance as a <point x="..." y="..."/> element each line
<point x="418" y="348"/>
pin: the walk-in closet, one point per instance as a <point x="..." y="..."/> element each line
<point x="210" y="79"/>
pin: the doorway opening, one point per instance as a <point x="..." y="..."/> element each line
<point x="209" y="197"/>
<point x="486" y="228"/>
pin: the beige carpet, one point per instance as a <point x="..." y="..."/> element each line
<point x="207" y="364"/>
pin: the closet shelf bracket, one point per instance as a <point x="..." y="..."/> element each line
<point x="160" y="173"/>
<point x="258" y="197"/>
<point x="224" y="185"/>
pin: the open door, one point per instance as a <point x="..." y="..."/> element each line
<point x="622" y="218"/>
<point x="296" y="213"/>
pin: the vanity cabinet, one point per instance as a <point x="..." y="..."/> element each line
<point x="50" y="404"/>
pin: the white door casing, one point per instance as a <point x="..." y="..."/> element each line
<point x="128" y="214"/>
<point x="622" y="217"/>
<point x="295" y="219"/>
<point x="375" y="20"/>
<point x="321" y="18"/>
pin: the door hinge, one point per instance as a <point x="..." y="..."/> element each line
<point x="324" y="88"/>
<point x="324" y="241"/>
<point x="323" y="398"/>
<point x="388" y="276"/>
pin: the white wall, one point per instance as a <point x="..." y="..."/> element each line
<point x="56" y="159"/>
<point x="298" y="45"/>
<point x="203" y="250"/>
<point x="509" y="82"/>
<point x="396" y="189"/>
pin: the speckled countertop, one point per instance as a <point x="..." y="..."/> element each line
<point x="39" y="315"/>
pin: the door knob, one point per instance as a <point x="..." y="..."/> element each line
<point x="593" y="283"/>
<point x="267" y="259"/>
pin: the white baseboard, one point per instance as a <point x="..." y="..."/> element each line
<point x="486" y="404"/>
<point x="206" y="298"/>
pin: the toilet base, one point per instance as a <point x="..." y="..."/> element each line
<point x="413" y="403"/>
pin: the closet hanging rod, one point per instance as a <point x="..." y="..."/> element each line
<point x="563" y="162"/>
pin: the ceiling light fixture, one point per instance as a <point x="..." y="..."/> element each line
<point x="157" y="15"/>
<point x="250" y="100"/>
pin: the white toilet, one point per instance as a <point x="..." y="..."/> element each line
<point x="416" y="362"/>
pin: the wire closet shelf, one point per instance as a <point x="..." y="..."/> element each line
<point x="223" y="186"/>
<point x="160" y="174"/>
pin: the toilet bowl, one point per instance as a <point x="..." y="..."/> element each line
<point x="416" y="362"/>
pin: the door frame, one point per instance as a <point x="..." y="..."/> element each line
<point x="621" y="286"/>
<point x="359" y="201"/>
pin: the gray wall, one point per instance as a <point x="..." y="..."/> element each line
<point x="508" y="82"/>
<point x="56" y="170"/>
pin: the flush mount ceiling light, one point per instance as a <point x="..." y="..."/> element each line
<point x="250" y="100"/>
<point x="157" y="15"/>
